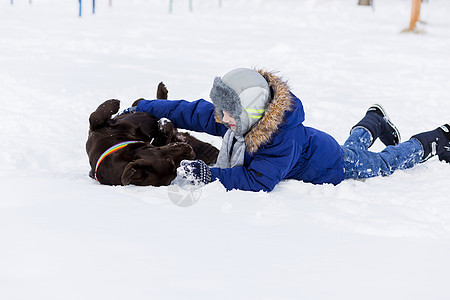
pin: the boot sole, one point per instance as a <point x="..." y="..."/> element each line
<point x="387" y="119"/>
<point x="446" y="155"/>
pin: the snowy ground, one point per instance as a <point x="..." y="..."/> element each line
<point x="63" y="236"/>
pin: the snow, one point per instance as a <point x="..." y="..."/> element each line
<point x="64" y="236"/>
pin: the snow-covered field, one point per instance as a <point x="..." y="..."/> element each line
<point x="64" y="236"/>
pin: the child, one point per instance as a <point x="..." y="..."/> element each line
<point x="264" y="140"/>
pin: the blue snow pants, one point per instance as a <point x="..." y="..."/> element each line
<point x="361" y="163"/>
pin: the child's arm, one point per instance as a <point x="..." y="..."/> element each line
<point x="196" y="115"/>
<point x="266" y="170"/>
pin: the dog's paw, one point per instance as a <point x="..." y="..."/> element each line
<point x="103" y="113"/>
<point x="165" y="126"/>
<point x="135" y="103"/>
<point x="111" y="106"/>
<point x="162" y="92"/>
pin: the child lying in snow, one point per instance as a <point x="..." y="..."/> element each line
<point x="264" y="140"/>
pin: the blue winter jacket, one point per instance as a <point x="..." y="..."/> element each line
<point x="287" y="149"/>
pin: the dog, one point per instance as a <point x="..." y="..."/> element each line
<point x="137" y="148"/>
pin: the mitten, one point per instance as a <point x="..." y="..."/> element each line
<point x="129" y="110"/>
<point x="195" y="171"/>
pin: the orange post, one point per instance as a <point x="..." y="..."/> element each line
<point x="415" y="13"/>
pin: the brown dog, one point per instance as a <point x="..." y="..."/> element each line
<point x="137" y="148"/>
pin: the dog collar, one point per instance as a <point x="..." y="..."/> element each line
<point x="111" y="150"/>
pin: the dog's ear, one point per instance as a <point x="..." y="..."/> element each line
<point x="136" y="172"/>
<point x="103" y="113"/>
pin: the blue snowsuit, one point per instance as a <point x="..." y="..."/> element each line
<point x="291" y="151"/>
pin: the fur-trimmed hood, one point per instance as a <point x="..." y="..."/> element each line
<point x="274" y="116"/>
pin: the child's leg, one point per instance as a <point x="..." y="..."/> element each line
<point x="359" y="138"/>
<point x="361" y="163"/>
<point x="377" y="123"/>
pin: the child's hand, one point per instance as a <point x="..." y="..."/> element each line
<point x="195" y="171"/>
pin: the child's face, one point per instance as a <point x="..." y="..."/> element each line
<point x="227" y="118"/>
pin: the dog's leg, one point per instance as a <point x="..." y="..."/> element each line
<point x="203" y="151"/>
<point x="135" y="103"/>
<point x="162" y="92"/>
<point x="103" y="113"/>
<point x="166" y="132"/>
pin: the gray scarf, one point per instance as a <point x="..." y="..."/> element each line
<point x="231" y="155"/>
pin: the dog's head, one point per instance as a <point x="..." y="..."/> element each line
<point x="156" y="166"/>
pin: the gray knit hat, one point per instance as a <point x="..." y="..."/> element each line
<point x="244" y="93"/>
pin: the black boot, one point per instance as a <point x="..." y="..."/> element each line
<point x="377" y="122"/>
<point x="435" y="142"/>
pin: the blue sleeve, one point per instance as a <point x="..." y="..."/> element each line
<point x="266" y="169"/>
<point x="196" y="115"/>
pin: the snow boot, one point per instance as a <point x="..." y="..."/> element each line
<point x="435" y="142"/>
<point x="377" y="122"/>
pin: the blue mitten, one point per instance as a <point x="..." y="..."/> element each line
<point x="129" y="110"/>
<point x="195" y="171"/>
